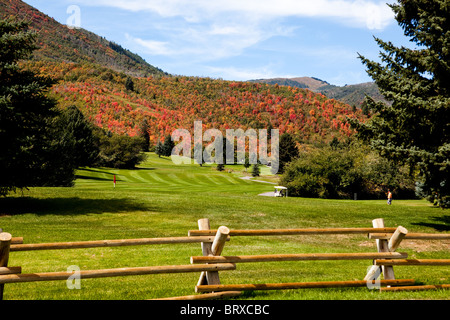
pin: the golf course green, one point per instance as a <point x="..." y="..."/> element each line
<point x="161" y="199"/>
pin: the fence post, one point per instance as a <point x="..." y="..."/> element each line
<point x="5" y="243"/>
<point x="219" y="240"/>
<point x="212" y="277"/>
<point x="382" y="246"/>
<point x="203" y="224"/>
<point x="396" y="238"/>
<point x="208" y="249"/>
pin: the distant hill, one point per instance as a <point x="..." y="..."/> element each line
<point x="351" y="94"/>
<point x="301" y="82"/>
<point x="59" y="43"/>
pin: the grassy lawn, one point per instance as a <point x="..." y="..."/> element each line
<point x="161" y="200"/>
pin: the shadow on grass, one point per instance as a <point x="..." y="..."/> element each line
<point x="143" y="169"/>
<point x="442" y="223"/>
<point x="98" y="171"/>
<point x="110" y="175"/>
<point x="67" y="206"/>
<point x="78" y="176"/>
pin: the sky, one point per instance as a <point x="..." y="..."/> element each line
<point x="241" y="39"/>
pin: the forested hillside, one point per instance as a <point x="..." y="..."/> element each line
<point x="168" y="103"/>
<point x="119" y="91"/>
<point x="57" y="42"/>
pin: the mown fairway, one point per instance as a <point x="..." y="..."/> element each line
<point x="161" y="200"/>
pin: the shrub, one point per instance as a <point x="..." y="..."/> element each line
<point x="255" y="170"/>
<point x="339" y="172"/>
<point x="119" y="151"/>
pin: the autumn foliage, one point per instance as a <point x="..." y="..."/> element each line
<point x="168" y="103"/>
<point x="92" y="74"/>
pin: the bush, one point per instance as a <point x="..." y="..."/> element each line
<point x="119" y="151"/>
<point x="339" y="172"/>
<point x="255" y="170"/>
<point x="324" y="173"/>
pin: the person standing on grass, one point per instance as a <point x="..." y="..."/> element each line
<point x="389" y="197"/>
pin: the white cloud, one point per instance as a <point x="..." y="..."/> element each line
<point x="200" y="33"/>
<point x="206" y="41"/>
<point x="232" y="73"/>
<point x="219" y="29"/>
<point x="371" y="14"/>
<point x="151" y="47"/>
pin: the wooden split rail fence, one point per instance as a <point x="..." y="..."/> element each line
<point x="211" y="262"/>
<point x="9" y="244"/>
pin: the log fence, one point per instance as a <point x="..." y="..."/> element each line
<point x="300" y="285"/>
<point x="208" y="265"/>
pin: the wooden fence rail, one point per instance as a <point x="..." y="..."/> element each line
<point x="417" y="288"/>
<point x="300" y="285"/>
<point x="299" y="257"/>
<point x="387" y="239"/>
<point x="110" y="243"/>
<point x="103" y="273"/>
<point x="293" y="232"/>
<point x="413" y="262"/>
<point x="412" y="236"/>
<point x="212" y="243"/>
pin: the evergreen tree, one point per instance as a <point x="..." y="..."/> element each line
<point x="255" y="170"/>
<point x="145" y="136"/>
<point x="76" y="137"/>
<point x="288" y="151"/>
<point x="30" y="146"/>
<point x="159" y="149"/>
<point x="246" y="163"/>
<point x="168" y="146"/>
<point x="415" y="130"/>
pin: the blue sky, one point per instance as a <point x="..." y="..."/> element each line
<point x="242" y="39"/>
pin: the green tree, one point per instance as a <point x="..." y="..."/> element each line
<point x="168" y="146"/>
<point x="145" y="135"/>
<point x="119" y="151"/>
<point x="256" y="171"/>
<point x="77" y="137"/>
<point x="30" y="145"/>
<point x="326" y="173"/>
<point x="129" y="84"/>
<point x="340" y="171"/>
<point x="247" y="163"/>
<point x="70" y="144"/>
<point x="288" y="151"/>
<point x="159" y="149"/>
<point x="415" y="129"/>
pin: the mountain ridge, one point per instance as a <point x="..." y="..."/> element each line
<point x="353" y="95"/>
<point x="57" y="42"/>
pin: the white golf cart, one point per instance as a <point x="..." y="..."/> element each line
<point x="281" y="191"/>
